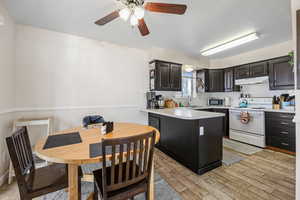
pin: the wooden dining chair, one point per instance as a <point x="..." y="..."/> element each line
<point x="127" y="166"/>
<point x="34" y="182"/>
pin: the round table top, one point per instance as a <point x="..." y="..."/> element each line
<point x="79" y="153"/>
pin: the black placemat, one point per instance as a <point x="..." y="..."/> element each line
<point x="96" y="149"/>
<point x="62" y="140"/>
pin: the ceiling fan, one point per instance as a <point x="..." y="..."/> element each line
<point x="135" y="10"/>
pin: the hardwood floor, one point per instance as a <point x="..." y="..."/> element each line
<point x="264" y="175"/>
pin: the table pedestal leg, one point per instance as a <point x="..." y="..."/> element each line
<point x="73" y="182"/>
<point x="151" y="195"/>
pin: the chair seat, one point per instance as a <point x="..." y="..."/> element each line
<point x="53" y="176"/>
<point x="122" y="193"/>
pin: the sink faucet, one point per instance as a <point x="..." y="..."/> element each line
<point x="189" y="100"/>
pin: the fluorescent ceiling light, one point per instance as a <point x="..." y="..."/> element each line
<point x="228" y="45"/>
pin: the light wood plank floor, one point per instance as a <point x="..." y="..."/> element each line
<point x="264" y="175"/>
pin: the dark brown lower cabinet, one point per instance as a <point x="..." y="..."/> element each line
<point x="280" y="131"/>
<point x="197" y="144"/>
<point x="225" y="121"/>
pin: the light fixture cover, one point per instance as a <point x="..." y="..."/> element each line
<point x="231" y="44"/>
<point x="188" y="68"/>
<point x="134" y="20"/>
<point x="139" y="12"/>
<point x="124" y="14"/>
<point x="2" y="20"/>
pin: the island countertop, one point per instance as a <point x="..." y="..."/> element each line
<point x="184" y="113"/>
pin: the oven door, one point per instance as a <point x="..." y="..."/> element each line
<point x="255" y="123"/>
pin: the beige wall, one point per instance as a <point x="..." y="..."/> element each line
<point x="273" y="51"/>
<point x="296" y="6"/>
<point x="7" y="89"/>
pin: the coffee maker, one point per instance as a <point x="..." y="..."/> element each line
<point x="151" y="100"/>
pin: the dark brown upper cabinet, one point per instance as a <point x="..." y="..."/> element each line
<point x="167" y="76"/>
<point x="216" y="80"/>
<point x="251" y="70"/>
<point x="242" y="71"/>
<point x="258" y="69"/>
<point x="229" y="85"/>
<point x="175" y="77"/>
<point x="281" y="76"/>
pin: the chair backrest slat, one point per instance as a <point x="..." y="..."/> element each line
<point x="141" y="149"/>
<point x="113" y="164"/>
<point x="135" y="146"/>
<point x="120" y="164"/>
<point x="137" y="150"/>
<point x="146" y="155"/>
<point x="127" y="160"/>
<point x="19" y="148"/>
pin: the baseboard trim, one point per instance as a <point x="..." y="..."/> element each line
<point x="4" y="178"/>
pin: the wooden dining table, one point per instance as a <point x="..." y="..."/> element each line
<point x="78" y="154"/>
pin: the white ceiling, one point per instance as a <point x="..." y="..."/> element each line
<point x="205" y="24"/>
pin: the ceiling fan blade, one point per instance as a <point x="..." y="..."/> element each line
<point x="178" y="9"/>
<point x="108" y="18"/>
<point x="143" y="27"/>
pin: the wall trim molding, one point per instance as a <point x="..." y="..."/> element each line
<point x="33" y="109"/>
<point x="7" y="111"/>
<point x="4" y="178"/>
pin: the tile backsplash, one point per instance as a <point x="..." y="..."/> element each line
<point x="258" y="90"/>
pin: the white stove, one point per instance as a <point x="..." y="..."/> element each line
<point x="248" y="124"/>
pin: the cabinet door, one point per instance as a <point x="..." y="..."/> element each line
<point x="281" y="74"/>
<point x="154" y="122"/>
<point x="228" y="80"/>
<point x="242" y="72"/>
<point x="225" y="121"/>
<point x="259" y="69"/>
<point x="163" y="76"/>
<point x="175" y="77"/>
<point x="216" y="80"/>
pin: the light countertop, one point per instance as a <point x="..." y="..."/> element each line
<point x="184" y="113"/>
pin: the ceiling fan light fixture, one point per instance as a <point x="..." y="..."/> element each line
<point x="124" y="14"/>
<point x="134" y="20"/>
<point x="139" y="12"/>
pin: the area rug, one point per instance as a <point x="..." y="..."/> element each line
<point x="162" y="191"/>
<point x="240" y="147"/>
<point x="230" y="157"/>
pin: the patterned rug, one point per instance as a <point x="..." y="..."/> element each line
<point x="240" y="147"/>
<point x="230" y="157"/>
<point x="162" y="191"/>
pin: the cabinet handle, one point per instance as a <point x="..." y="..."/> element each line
<point x="285" y="144"/>
<point x="284" y="123"/>
<point x="283" y="116"/>
<point x="284" y="132"/>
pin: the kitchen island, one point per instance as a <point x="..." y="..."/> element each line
<point x="193" y="138"/>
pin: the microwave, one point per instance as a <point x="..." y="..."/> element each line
<point x="215" y="102"/>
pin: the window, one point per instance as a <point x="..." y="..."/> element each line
<point x="188" y="84"/>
